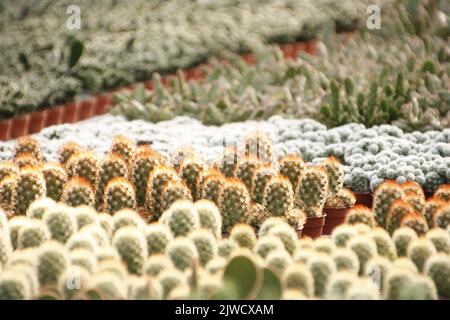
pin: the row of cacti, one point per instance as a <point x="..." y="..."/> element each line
<point x="63" y="252"/>
<point x="248" y="187"/>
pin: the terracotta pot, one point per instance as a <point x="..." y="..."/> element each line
<point x="5" y="126"/>
<point x="149" y="85"/>
<point x="102" y="102"/>
<point x="54" y="116"/>
<point x="311" y="46"/>
<point x="364" y="198"/>
<point x="71" y="111"/>
<point x="195" y="73"/>
<point x="249" y="58"/>
<point x="86" y="109"/>
<point x="299" y="47"/>
<point x="313" y="227"/>
<point x="37" y="121"/>
<point x="288" y="50"/>
<point x="335" y="217"/>
<point x="299" y="231"/>
<point x="19" y="126"/>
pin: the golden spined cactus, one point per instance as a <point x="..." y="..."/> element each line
<point x="360" y="214"/>
<point x="7" y="191"/>
<point x="292" y="167"/>
<point x="145" y="161"/>
<point x="261" y="176"/>
<point x="67" y="150"/>
<point x="25" y="159"/>
<point x="398" y="210"/>
<point x="246" y="170"/>
<point x="156" y="181"/>
<point x="234" y="203"/>
<point x="345" y="198"/>
<point x="278" y="196"/>
<point x="416" y="222"/>
<point x="192" y="171"/>
<point x="228" y="161"/>
<point x="119" y="194"/>
<point x="212" y="183"/>
<point x="335" y="172"/>
<point x="125" y="148"/>
<point x="28" y="145"/>
<point x="180" y="154"/>
<point x="413" y="187"/>
<point x="84" y="164"/>
<point x="257" y="215"/>
<point x="78" y="191"/>
<point x="259" y="145"/>
<point x="385" y="195"/>
<point x="30" y="185"/>
<point x="312" y="191"/>
<point x="55" y="179"/>
<point x="432" y="205"/>
<point x="417" y="201"/>
<point x="173" y="191"/>
<point x="441" y="219"/>
<point x="443" y="192"/>
<point x="112" y="166"/>
<point x="8" y="168"/>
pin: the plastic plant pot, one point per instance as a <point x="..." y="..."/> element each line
<point x="71" y="111"/>
<point x="19" y="126"/>
<point x="102" y="102"/>
<point x="54" y="116"/>
<point x="335" y="217"/>
<point x="37" y="121"/>
<point x="364" y="198"/>
<point x="5" y="126"/>
<point x="86" y="109"/>
<point x="313" y="227"/>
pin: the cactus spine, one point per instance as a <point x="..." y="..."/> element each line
<point x="181" y="218"/>
<point x="119" y="194"/>
<point x="173" y="191"/>
<point x="312" y="191"/>
<point x="213" y="182"/>
<point x="78" y="191"/>
<point x="192" y="171"/>
<point x="234" y="203"/>
<point x="28" y="145"/>
<point x="278" y="196"/>
<point x="30" y="185"/>
<point x="246" y="170"/>
<point x="55" y="178"/>
<point x="156" y="181"/>
<point x="145" y="161"/>
<point x="261" y="176"/>
<point x="132" y="248"/>
<point x="385" y="195"/>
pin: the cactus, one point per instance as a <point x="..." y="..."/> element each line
<point x="72" y="281"/>
<point x="33" y="234"/>
<point x="60" y="223"/>
<point x="52" y="261"/>
<point x="243" y="235"/>
<point x="82" y="241"/>
<point x="292" y="166"/>
<point x="303" y="256"/>
<point x="257" y="215"/>
<point x="145" y="161"/>
<point x="346" y="260"/>
<point x="181" y="218"/>
<point x="67" y="150"/>
<point x="415" y="222"/>
<point x="132" y="248"/>
<point x="377" y="269"/>
<point x="360" y="214"/>
<point x="397" y="282"/>
<point x="443" y="192"/>
<point x="342" y="234"/>
<point x="437" y="268"/>
<point x="416" y="201"/>
<point x="106" y="223"/>
<point x="192" y="171"/>
<point x="180" y="154"/>
<point x="216" y="265"/>
<point x="125" y="148"/>
<point x="278" y="261"/>
<point x="340" y="284"/>
<point x="246" y="169"/>
<point x="385" y="195"/>
<point x="261" y="176"/>
<point x="312" y="191"/>
<point x="228" y="162"/>
<point x="364" y="289"/>
<point x="157" y="263"/>
<point x="296" y="218"/>
<point x="206" y="245"/>
<point x="440" y="238"/>
<point x="173" y="191"/>
<point x="385" y="245"/>
<point x="28" y="145"/>
<point x="234" y="203"/>
<point x="29" y="272"/>
<point x="14" y="286"/>
<point x="442" y="217"/>
<point x="6" y="248"/>
<point x="113" y="266"/>
<point x="365" y="248"/>
<point x="84" y="259"/>
<point x="3" y="221"/>
<point x="84" y="216"/>
<point x="14" y="226"/>
<point x="343" y="199"/>
<point x="225" y="247"/>
<point x="26" y="160"/>
<point x="8" y="186"/>
<point x="156" y="181"/>
<point x="278" y="197"/>
<point x="269" y="224"/>
<point x="84" y="164"/>
<point x="145" y="289"/>
<point x="119" y="194"/>
<point x="8" y="168"/>
<point x="402" y="237"/>
<point x="112" y="166"/>
<point x="55" y="178"/>
<point x="398" y="210"/>
<point x="212" y="183"/>
<point x="183" y="253"/>
<point x="171" y="279"/>
<point x="287" y="235"/>
<point x="335" y="173"/>
<point x="267" y="244"/>
<point x="108" y="286"/>
<point x="298" y="277"/>
<point x="430" y="210"/>
<point x="209" y="217"/>
<point x="322" y="268"/>
<point x="77" y="192"/>
<point x="158" y="236"/>
<point x="306" y="243"/>
<point x="405" y="263"/>
<point x="30" y="185"/>
<point x="258" y="145"/>
<point x="97" y="232"/>
<point x="419" y="251"/>
<point x="125" y="218"/>
<point x="412" y="187"/>
<point x="421" y="288"/>
<point x="324" y="245"/>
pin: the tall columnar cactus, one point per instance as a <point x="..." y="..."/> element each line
<point x="260" y="178"/>
<point x="183" y="253"/>
<point x="346" y="260"/>
<point x="7" y="192"/>
<point x="84" y="164"/>
<point x="442" y="217"/>
<point x="246" y="169"/>
<point x="67" y="150"/>
<point x="157" y="236"/>
<point x="437" y="268"/>
<point x="78" y="191"/>
<point x="156" y="181"/>
<point x="55" y="178"/>
<point x="278" y="196"/>
<point x="312" y="191"/>
<point x="60" y="223"/>
<point x="25" y="160"/>
<point x="397" y="211"/>
<point x="243" y="235"/>
<point x="365" y="248"/>
<point x="278" y="261"/>
<point x="259" y="145"/>
<point x="292" y="167"/>
<point x="206" y="245"/>
<point x="181" y="218"/>
<point x="209" y="217"/>
<point x="174" y="191"/>
<point x="8" y="168"/>
<point x="14" y="286"/>
<point x="119" y="194"/>
<point x="234" y="203"/>
<point x="212" y="183"/>
<point x="124" y="147"/>
<point x="335" y="173"/>
<point x="52" y="261"/>
<point x="397" y="281"/>
<point x="416" y="222"/>
<point x="440" y="239"/>
<point x="145" y="161"/>
<point x="192" y="171"/>
<point x="157" y="263"/>
<point x="132" y="247"/>
<point x="360" y="214"/>
<point x="267" y="244"/>
<point x="419" y="251"/>
<point x="112" y="166"/>
<point x="443" y="192"/>
<point x="385" y="245"/>
<point x="287" y="235"/>
<point x="228" y="162"/>
<point x="322" y="268"/>
<point x="430" y="210"/>
<point x="33" y="234"/>
<point x="30" y="185"/>
<point x="385" y="195"/>
<point x="28" y="145"/>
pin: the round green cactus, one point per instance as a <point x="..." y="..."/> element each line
<point x="246" y="169"/>
<point x="340" y="284"/>
<point x="312" y="190"/>
<point x="28" y="145"/>
<point x="132" y="248"/>
<point x="430" y="209"/>
<point x="77" y="192"/>
<point x="234" y="203"/>
<point x="33" y="234"/>
<point x="109" y="286"/>
<point x="287" y="235"/>
<point x="261" y="176"/>
<point x="183" y="253"/>
<point x="365" y="248"/>
<point x="174" y="191"/>
<point x="125" y="218"/>
<point x="112" y="166"/>
<point x="416" y="222"/>
<point x="206" y="245"/>
<point x="52" y="261"/>
<point x="14" y="286"/>
<point x="324" y="245"/>
<point x="216" y="265"/>
<point x="60" y="222"/>
<point x="360" y="214"/>
<point x="292" y="166"/>
<point x="30" y="185"/>
<point x="440" y="239"/>
<point x="171" y="279"/>
<point x="84" y="216"/>
<point x="14" y="226"/>
<point x="212" y="183"/>
<point x="67" y="150"/>
<point x="8" y="186"/>
<point x="303" y="255"/>
<point x="145" y="161"/>
<point x="84" y="164"/>
<point x="119" y="194"/>
<point x="385" y="245"/>
<point x="421" y="288"/>
<point x="342" y="234"/>
<point x="83" y="241"/>
<point x="437" y="268"/>
<point x="257" y="215"/>
<point x="397" y="282"/>
<point x="322" y="267"/>
<point x="192" y="171"/>
<point x="442" y="217"/>
<point x="243" y="235"/>
<point x="267" y="244"/>
<point x="158" y="236"/>
<point x="209" y="217"/>
<point x="124" y="147"/>
<point x="377" y="269"/>
<point x="55" y="178"/>
<point x="402" y="237"/>
<point x="37" y="209"/>
<point x="225" y="247"/>
<point x="278" y="261"/>
<point x="364" y="289"/>
<point x="346" y="260"/>
<point x="443" y="192"/>
<point x="181" y="218"/>
<point x="383" y="198"/>
<point x="268" y="224"/>
<point x="156" y="181"/>
<point x="419" y="251"/>
<point x="298" y="277"/>
<point x="84" y="259"/>
<point x="278" y="197"/>
<point x="157" y="263"/>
